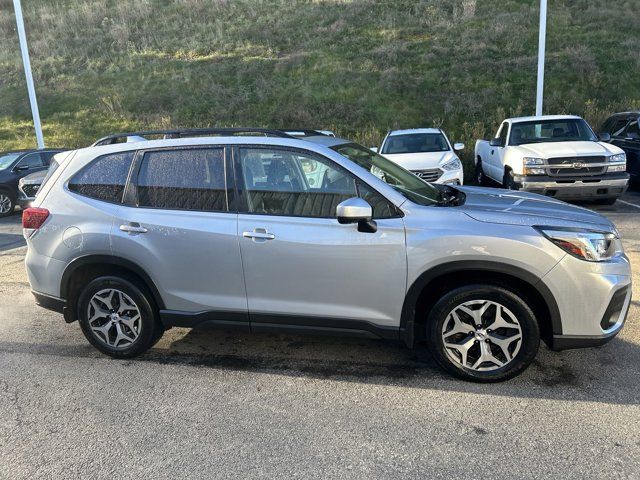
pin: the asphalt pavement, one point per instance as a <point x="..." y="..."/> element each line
<point x="215" y="404"/>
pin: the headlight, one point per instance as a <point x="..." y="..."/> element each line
<point x="530" y="161"/>
<point x="590" y="245"/>
<point x="533" y="166"/>
<point x="619" y="158"/>
<point x="454" y="164"/>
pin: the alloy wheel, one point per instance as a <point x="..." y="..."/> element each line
<point x="114" y="318"/>
<point x="481" y="335"/>
<point x="5" y="203"/>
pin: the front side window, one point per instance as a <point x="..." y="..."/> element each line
<point x="292" y="183"/>
<point x="415" y="143"/>
<point x="403" y="181"/>
<point x="104" y="178"/>
<point x="617" y="130"/>
<point x="7" y="160"/>
<point x="633" y="132"/>
<point x="184" y="179"/>
<point x="31" y="160"/>
<point x="565" y="130"/>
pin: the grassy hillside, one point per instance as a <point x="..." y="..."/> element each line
<point x="359" y="67"/>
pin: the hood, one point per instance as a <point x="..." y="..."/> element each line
<point x="420" y="161"/>
<point x="495" y="205"/>
<point x="34" y="178"/>
<point x="568" y="149"/>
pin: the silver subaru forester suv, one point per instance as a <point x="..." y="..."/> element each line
<point x="262" y="231"/>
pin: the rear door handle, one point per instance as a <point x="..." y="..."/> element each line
<point x="133" y="228"/>
<point x="259" y="233"/>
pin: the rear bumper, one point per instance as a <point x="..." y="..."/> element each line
<point x="54" y="304"/>
<point x="604" y="186"/>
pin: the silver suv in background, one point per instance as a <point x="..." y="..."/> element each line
<point x="237" y="229"/>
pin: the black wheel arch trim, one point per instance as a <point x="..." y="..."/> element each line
<point x="407" y="320"/>
<point x="109" y="260"/>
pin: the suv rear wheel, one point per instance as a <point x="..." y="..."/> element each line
<point x="118" y="317"/>
<point x="483" y="333"/>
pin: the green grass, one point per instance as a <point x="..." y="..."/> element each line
<point x="359" y="67"/>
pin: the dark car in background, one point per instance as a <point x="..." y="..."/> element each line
<point x="14" y="166"/>
<point x="625" y="133"/>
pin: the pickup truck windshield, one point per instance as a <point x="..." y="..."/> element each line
<point x="415" y="143"/>
<point x="7" y="159"/>
<point x="568" y="130"/>
<point x="405" y="182"/>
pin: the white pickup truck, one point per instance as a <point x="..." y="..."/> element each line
<point x="555" y="155"/>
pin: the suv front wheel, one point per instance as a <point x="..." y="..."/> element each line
<point x="483" y="333"/>
<point x="118" y="317"/>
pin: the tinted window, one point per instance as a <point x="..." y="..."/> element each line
<point x="285" y="182"/>
<point x="32" y="160"/>
<point x="617" y="129"/>
<point x="415" y="143"/>
<point x="633" y="131"/>
<point x="104" y="178"/>
<point x="186" y="179"/>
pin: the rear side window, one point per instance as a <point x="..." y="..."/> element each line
<point x="104" y="178"/>
<point x="186" y="179"/>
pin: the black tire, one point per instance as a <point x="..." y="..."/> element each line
<point x="530" y="331"/>
<point x="508" y="182"/>
<point x="606" y="201"/>
<point x="480" y="177"/>
<point x="150" y="330"/>
<point x="12" y="199"/>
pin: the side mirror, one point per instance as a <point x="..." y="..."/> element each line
<point x="604" y="137"/>
<point x="496" y="142"/>
<point x="458" y="146"/>
<point x="374" y="149"/>
<point x="21" y="168"/>
<point x="356" y="210"/>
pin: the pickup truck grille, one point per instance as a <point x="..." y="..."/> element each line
<point x="429" y="175"/>
<point x="565" y="166"/>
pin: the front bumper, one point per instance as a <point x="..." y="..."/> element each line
<point x="593" y="299"/>
<point x="588" y="188"/>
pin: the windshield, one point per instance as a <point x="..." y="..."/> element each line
<point x="405" y="182"/>
<point x="7" y="159"/>
<point x="415" y="143"/>
<point x="567" y="130"/>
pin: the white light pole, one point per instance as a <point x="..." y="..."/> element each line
<point x="541" y="45"/>
<point x="27" y="72"/>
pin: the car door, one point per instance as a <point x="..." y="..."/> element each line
<point x="304" y="269"/>
<point x="630" y="143"/>
<point x="176" y="225"/>
<point x="496" y="154"/>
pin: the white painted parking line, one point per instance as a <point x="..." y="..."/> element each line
<point x="629" y="203"/>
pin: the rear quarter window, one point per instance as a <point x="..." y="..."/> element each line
<point x="104" y="178"/>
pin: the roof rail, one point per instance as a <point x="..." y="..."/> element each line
<point x="192" y="132"/>
<point x="305" y="132"/>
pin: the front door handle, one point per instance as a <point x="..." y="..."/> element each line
<point x="259" y="234"/>
<point x="133" y="228"/>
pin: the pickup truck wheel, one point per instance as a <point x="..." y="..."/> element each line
<point x="483" y="333"/>
<point x="7" y="204"/>
<point x="508" y="182"/>
<point x="118" y="318"/>
<point x="480" y="176"/>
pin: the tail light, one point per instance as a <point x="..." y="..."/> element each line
<point x="32" y="220"/>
